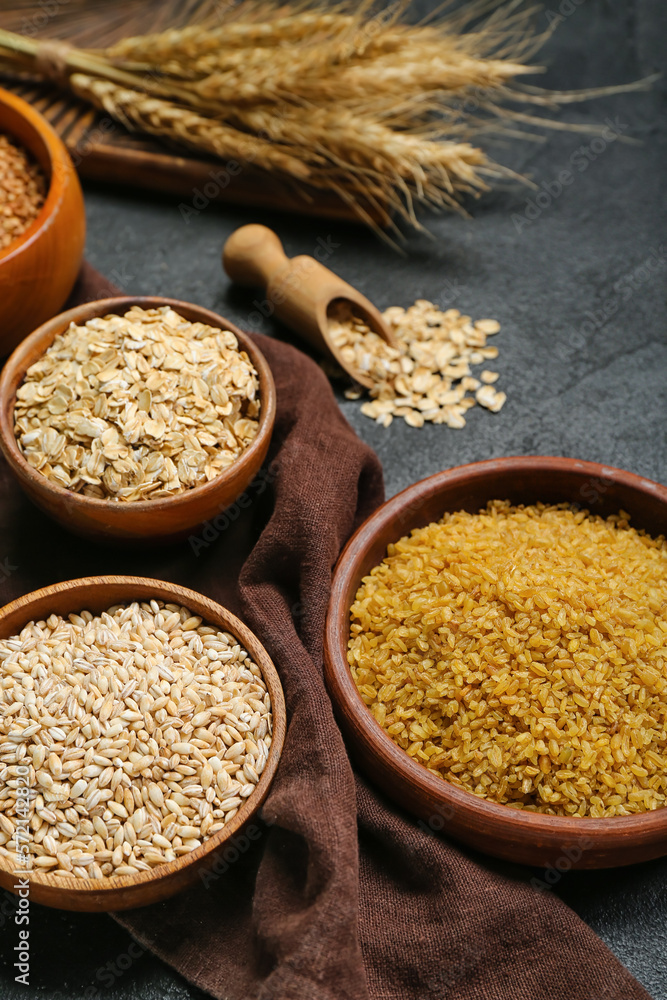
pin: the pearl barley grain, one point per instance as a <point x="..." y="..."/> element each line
<point x="122" y="719"/>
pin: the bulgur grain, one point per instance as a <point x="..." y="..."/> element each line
<point x="520" y="653"/>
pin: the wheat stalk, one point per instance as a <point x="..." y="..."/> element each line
<point x="376" y="108"/>
<point x="253" y="78"/>
<point x="139" y="112"/>
<point x="196" y="42"/>
<point x="439" y="171"/>
<point x="335" y="147"/>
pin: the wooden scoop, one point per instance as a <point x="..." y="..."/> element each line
<point x="300" y="290"/>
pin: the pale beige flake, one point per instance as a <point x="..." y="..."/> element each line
<point x="487" y="326"/>
<point x="488" y="397"/>
<point x="137" y="407"/>
<point x="118" y="724"/>
<point x="428" y="378"/>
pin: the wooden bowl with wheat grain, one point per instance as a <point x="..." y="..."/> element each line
<point x="144" y="522"/>
<point x="515" y="835"/>
<point x="38" y="270"/>
<point x="96" y="594"/>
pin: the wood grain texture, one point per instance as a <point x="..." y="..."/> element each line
<point x="124" y="892"/>
<point x="147" y="521"/>
<point x="527" y="838"/>
<point x="300" y="289"/>
<point x="38" y="270"/>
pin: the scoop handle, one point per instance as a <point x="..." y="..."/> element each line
<point x="299" y="290"/>
<point x="253" y="255"/>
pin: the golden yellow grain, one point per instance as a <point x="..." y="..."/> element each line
<point x="521" y="653"/>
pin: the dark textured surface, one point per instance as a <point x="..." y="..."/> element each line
<point x="578" y="383"/>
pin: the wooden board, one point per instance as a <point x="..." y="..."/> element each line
<point x="104" y="150"/>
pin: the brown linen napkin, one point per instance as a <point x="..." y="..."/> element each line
<point x="340" y="896"/>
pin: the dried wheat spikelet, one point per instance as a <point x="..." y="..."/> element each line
<point x="358" y="100"/>
<point x="140" y="112"/>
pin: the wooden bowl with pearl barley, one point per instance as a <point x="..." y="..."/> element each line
<point x="39" y="268"/>
<point x="144" y="522"/>
<point x="204" y="863"/>
<point x="526" y="837"/>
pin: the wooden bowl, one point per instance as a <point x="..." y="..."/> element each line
<point x="143" y="521"/>
<point x="525" y="837"/>
<point x="124" y="892"/>
<point x="38" y="270"/>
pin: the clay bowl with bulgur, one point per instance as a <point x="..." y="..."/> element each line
<point x="136" y="419"/>
<point x="42" y="221"/>
<point x="146" y="727"/>
<point x="495" y="651"/>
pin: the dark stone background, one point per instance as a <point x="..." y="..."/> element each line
<point x="582" y="385"/>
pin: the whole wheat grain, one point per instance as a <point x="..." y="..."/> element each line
<point x="22" y="191"/>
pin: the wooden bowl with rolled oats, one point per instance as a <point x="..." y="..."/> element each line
<point x="145" y="729"/>
<point x="136" y="419"/>
<point x="495" y="653"/>
<point x="42" y="221"/>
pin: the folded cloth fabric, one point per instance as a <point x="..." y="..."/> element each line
<point x="338" y="895"/>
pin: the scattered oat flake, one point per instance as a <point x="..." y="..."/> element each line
<point x="428" y="378"/>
